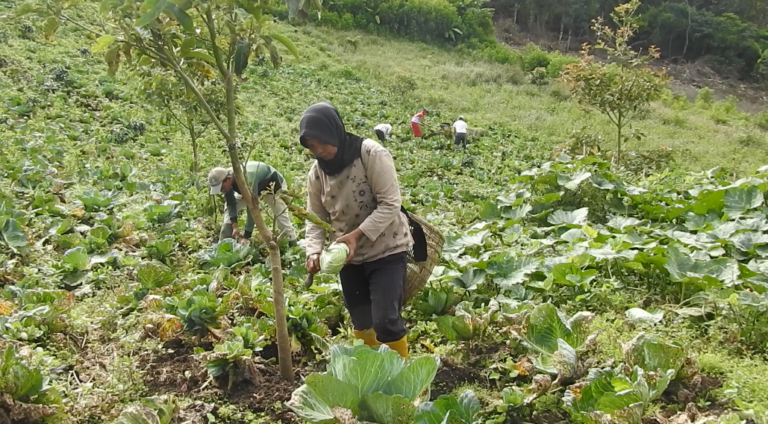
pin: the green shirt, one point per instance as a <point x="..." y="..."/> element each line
<point x="260" y="177"/>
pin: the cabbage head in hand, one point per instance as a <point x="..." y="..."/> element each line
<point x="333" y="258"/>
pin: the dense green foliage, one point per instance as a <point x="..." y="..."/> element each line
<point x="441" y="21"/>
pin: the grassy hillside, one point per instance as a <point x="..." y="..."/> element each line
<point x="96" y="255"/>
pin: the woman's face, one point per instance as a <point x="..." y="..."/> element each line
<point x="321" y="150"/>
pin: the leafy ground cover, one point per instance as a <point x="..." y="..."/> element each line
<point x="568" y="290"/>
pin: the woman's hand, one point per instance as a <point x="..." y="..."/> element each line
<point x="235" y="231"/>
<point x="313" y="263"/>
<point x="351" y="241"/>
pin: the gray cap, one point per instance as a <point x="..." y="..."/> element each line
<point x="215" y="178"/>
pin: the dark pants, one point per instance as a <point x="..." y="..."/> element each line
<point x="373" y="293"/>
<point x="380" y="135"/>
<point x="461" y="138"/>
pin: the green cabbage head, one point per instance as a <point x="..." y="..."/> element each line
<point x="333" y="258"/>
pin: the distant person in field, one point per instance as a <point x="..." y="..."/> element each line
<point x="264" y="181"/>
<point x="382" y="131"/>
<point x="460" y="134"/>
<point x="416" y="122"/>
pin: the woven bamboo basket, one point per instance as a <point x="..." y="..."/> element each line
<point x="419" y="272"/>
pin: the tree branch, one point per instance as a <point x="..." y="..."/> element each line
<point x="209" y="22"/>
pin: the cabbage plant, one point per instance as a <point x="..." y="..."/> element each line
<point x="555" y="340"/>
<point x="375" y="385"/>
<point x="227" y="253"/>
<point x="449" y="409"/>
<point x="622" y="394"/>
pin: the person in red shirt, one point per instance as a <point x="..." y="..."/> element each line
<point x="416" y="122"/>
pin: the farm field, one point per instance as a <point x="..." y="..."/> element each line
<point x="569" y="290"/>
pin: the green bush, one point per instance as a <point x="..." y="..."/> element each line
<point x="675" y="120"/>
<point x="560" y="92"/>
<point x="440" y="21"/>
<point x="705" y="98"/>
<point x="557" y="63"/>
<point x="501" y="54"/>
<point x="751" y="140"/>
<point x="761" y="120"/>
<point x="534" y="57"/>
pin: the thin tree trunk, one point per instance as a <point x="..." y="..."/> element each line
<point x="193" y="135"/>
<point x="687" y="30"/>
<point x="230" y="134"/>
<point x="514" y="19"/>
<point x="278" y="294"/>
<point x="619" y="126"/>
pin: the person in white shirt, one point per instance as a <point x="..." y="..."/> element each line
<point x="460" y="133"/>
<point x="382" y="131"/>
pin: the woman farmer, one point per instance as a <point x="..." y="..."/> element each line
<point x="353" y="186"/>
<point x="416" y="122"/>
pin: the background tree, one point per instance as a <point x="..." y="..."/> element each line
<point x="187" y="38"/>
<point x="162" y="88"/>
<point x="624" y="86"/>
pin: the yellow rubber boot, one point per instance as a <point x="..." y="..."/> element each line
<point x="400" y="346"/>
<point x="367" y="336"/>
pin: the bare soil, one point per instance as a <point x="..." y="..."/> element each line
<point x="452" y="375"/>
<point x="180" y="372"/>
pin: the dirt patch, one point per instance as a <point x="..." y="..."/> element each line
<point x="452" y="375"/>
<point x="690" y="390"/>
<point x="261" y="389"/>
<point x="689" y="78"/>
<point x="176" y="372"/>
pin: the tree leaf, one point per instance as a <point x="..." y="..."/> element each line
<point x="577" y="217"/>
<point x="110" y="5"/>
<point x="102" y="43"/>
<point x="151" y="9"/>
<point x="181" y="17"/>
<point x="200" y="54"/>
<point x="188" y="44"/>
<point x="50" y="26"/>
<point x="112" y="57"/>
<point x="285" y="41"/>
